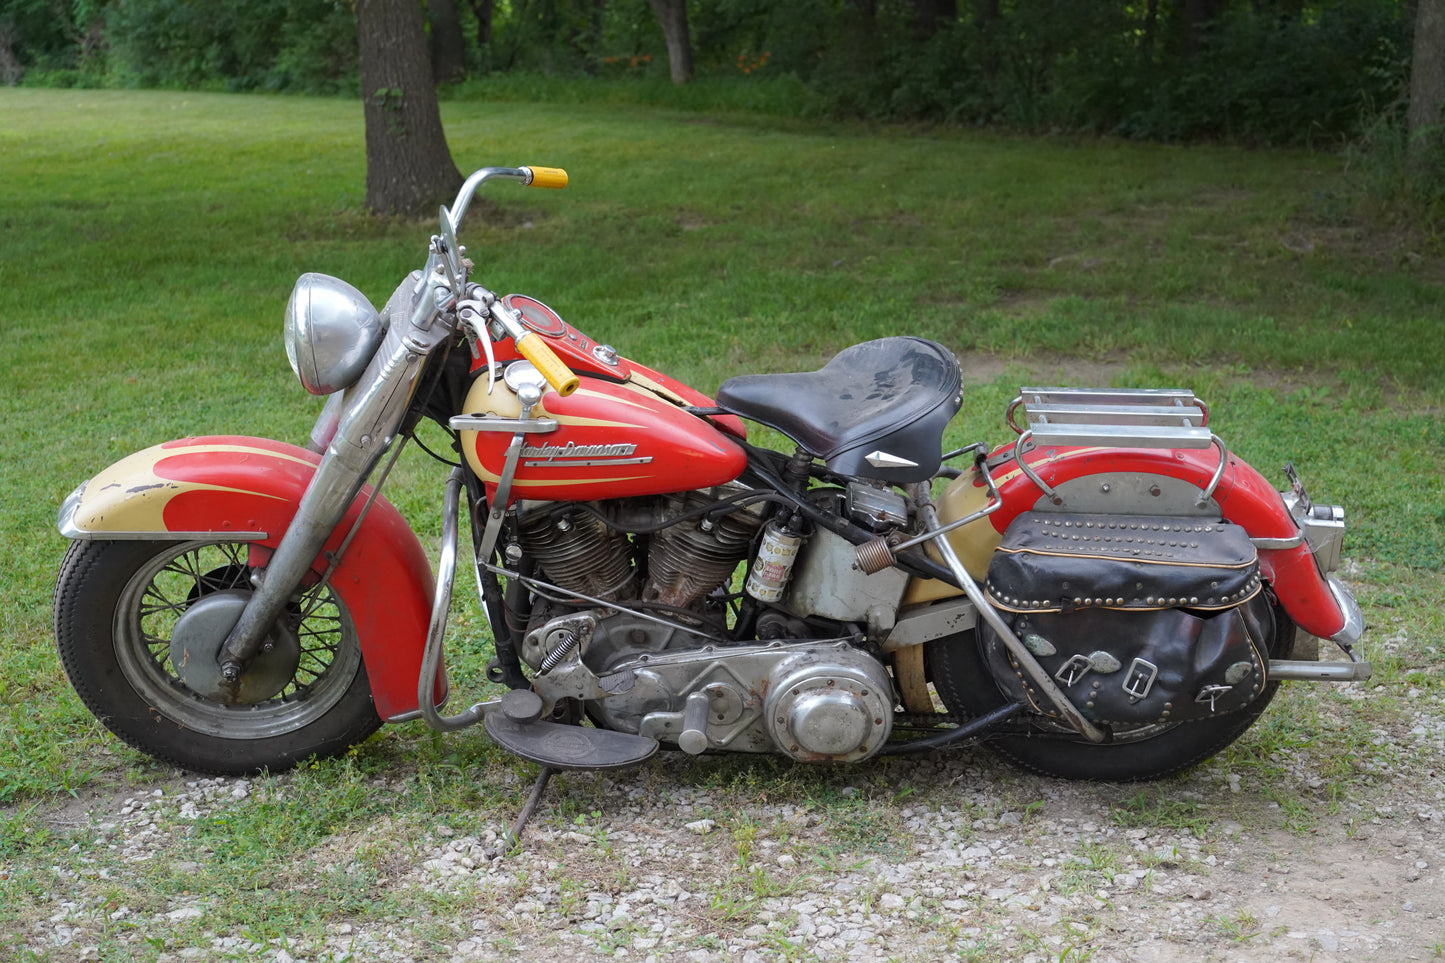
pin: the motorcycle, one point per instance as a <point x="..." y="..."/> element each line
<point x="1111" y="594"/>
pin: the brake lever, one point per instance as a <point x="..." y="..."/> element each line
<point x="474" y="315"/>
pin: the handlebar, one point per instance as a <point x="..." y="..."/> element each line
<point x="536" y="350"/>
<point x="531" y="345"/>
<point x="553" y="177"/>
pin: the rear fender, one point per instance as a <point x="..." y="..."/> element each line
<point x="1243" y="496"/>
<point x="248" y="489"/>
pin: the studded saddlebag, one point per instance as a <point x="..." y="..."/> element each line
<point x="1139" y="619"/>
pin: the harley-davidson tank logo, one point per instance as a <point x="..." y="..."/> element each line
<point x="575" y="454"/>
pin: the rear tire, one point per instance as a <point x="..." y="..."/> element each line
<point x="115" y="606"/>
<point x="963" y="681"/>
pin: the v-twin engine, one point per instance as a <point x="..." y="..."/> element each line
<point x="686" y="553"/>
<point x="659" y="674"/>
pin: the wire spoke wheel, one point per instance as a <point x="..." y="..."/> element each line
<point x="117" y="606"/>
<point x="159" y="593"/>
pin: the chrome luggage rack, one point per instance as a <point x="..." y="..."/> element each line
<point x="1116" y="417"/>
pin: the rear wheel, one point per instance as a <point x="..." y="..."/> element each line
<point x="963" y="681"/>
<point x="116" y="607"/>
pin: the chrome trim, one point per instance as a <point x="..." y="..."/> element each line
<point x="432" y="657"/>
<point x="586" y="462"/>
<point x="1279" y="544"/>
<point x="1287" y="670"/>
<point x="529" y="426"/>
<point x="994" y="503"/>
<point x="923" y="498"/>
<point x="477" y="179"/>
<point x="1039" y="483"/>
<point x="65" y="519"/>
<point x="883" y="459"/>
<point x="1354" y="626"/>
<point x="1204" y="496"/>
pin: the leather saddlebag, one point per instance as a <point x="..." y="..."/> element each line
<point x="1139" y="619"/>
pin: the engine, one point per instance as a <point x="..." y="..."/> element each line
<point x="678" y="552"/>
<point x="816" y="701"/>
<point x="665" y="677"/>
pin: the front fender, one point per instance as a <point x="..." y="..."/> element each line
<point x="248" y="489"/>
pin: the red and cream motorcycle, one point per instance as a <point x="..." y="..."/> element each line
<point x="1112" y="594"/>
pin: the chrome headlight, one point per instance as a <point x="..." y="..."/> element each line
<point x="331" y="332"/>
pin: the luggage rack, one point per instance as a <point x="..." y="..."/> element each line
<point x="1114" y="417"/>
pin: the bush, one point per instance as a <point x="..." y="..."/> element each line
<point x="303" y="45"/>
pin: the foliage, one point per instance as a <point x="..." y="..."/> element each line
<point x="233" y="44"/>
<point x="1257" y="71"/>
<point x="1409" y="188"/>
<point x="307" y="45"/>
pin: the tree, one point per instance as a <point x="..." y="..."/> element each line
<point x="672" y="15"/>
<point x="409" y="168"/>
<point x="482" y="10"/>
<point x="1426" y="116"/>
<point x="930" y="15"/>
<point x="448" y="46"/>
<point x="1198" y="14"/>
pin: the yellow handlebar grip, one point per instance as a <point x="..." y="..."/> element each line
<point x="554" y="177"/>
<point x="545" y="360"/>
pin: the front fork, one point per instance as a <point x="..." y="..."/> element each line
<point x="371" y="413"/>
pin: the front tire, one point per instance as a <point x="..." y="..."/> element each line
<point x="963" y="681"/>
<point x="116" y="604"/>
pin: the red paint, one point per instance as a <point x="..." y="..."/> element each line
<point x="605" y="430"/>
<point x="575" y="349"/>
<point x="1244" y="496"/>
<point x="384" y="578"/>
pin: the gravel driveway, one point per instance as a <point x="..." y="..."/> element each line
<point x="1251" y="857"/>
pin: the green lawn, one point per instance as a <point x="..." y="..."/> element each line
<point x="148" y="242"/>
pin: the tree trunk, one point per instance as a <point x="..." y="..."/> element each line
<point x="448" y="50"/>
<point x="596" y="25"/>
<point x="930" y="15"/>
<point x="985" y="21"/>
<point x="1151" y="28"/>
<point x="483" y="11"/>
<point x="409" y="168"/>
<point x="1426" y="117"/>
<point x="1197" y="16"/>
<point x="672" y="15"/>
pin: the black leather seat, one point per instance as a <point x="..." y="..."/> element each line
<point x="889" y="399"/>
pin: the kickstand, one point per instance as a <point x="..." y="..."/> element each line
<point x="514" y="835"/>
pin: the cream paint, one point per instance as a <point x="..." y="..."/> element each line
<point x="129" y="496"/>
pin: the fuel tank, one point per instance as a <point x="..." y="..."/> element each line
<point x="624" y="432"/>
<point x="613" y="440"/>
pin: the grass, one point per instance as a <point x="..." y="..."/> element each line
<point x="147" y="246"/>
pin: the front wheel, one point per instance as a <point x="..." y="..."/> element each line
<point x="962" y="679"/>
<point x="116" y="606"/>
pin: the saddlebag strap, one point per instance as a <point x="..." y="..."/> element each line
<point x="1059" y="562"/>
